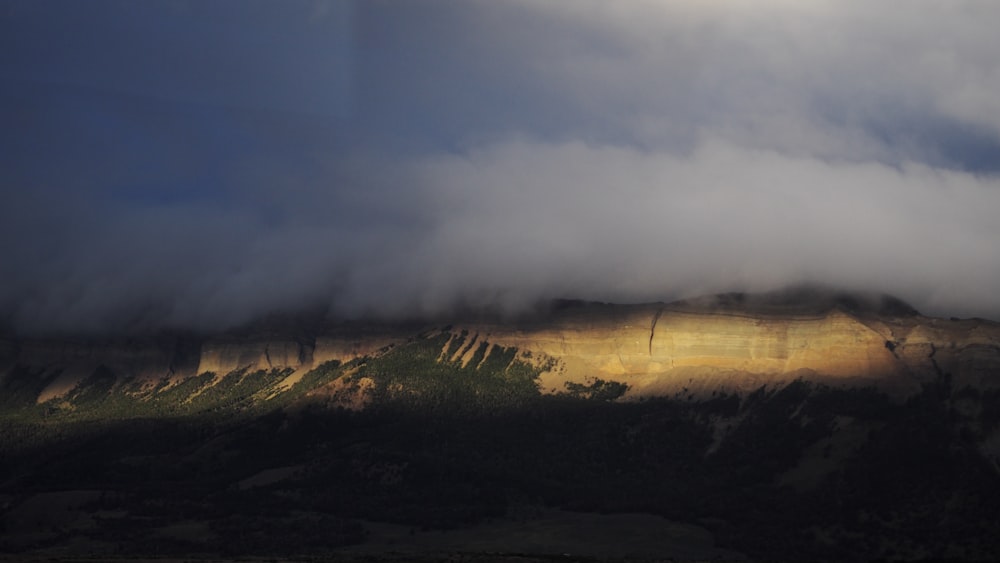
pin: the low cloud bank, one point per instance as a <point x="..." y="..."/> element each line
<point x="624" y="152"/>
<point x="513" y="224"/>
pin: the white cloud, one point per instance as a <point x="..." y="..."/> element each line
<point x="795" y="76"/>
<point x="520" y="221"/>
<point x="625" y="151"/>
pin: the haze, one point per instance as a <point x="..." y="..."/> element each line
<point x="187" y="164"/>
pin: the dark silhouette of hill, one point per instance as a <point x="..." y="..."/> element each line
<point x="298" y="437"/>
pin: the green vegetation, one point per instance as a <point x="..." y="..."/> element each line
<point x="321" y="375"/>
<point x="444" y="445"/>
<point x="95" y="389"/>
<point x="456" y="344"/>
<point x="599" y="390"/>
<point x="19" y="391"/>
<point x="415" y="375"/>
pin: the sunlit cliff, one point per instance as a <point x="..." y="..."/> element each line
<point x="696" y="347"/>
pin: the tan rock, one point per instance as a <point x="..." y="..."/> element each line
<point x="689" y="348"/>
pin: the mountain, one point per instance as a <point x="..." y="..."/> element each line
<point x="803" y="423"/>
<point x="727" y="343"/>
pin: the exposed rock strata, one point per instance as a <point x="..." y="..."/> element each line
<point x="693" y="347"/>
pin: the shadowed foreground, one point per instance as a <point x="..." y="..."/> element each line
<point x="420" y="450"/>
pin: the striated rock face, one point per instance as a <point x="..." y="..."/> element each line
<point x="70" y="361"/>
<point x="726" y="343"/>
<point x="659" y="349"/>
<point x="223" y="356"/>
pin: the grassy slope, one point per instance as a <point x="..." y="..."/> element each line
<point x="447" y="446"/>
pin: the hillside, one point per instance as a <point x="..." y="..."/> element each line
<point x="801" y="424"/>
<point x="717" y="343"/>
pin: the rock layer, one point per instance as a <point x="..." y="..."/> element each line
<point x="694" y="348"/>
<point x="659" y="349"/>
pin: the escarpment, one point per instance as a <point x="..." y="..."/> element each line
<point x="727" y="343"/>
<point x="838" y="405"/>
<point x="662" y="349"/>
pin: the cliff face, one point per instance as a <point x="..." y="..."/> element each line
<point x="682" y="348"/>
<point x="660" y="350"/>
<point x="222" y="356"/>
<point x="67" y="362"/>
<point x="258" y="415"/>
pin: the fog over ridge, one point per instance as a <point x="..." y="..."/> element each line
<point x="410" y="160"/>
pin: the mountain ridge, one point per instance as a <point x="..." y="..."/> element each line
<point x="728" y="342"/>
<point x="827" y="433"/>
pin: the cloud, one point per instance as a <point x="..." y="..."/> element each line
<point x="521" y="221"/>
<point x="500" y="154"/>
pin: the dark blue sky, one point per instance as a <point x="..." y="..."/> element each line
<point x="184" y="163"/>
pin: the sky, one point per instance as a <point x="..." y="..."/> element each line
<point x="185" y="164"/>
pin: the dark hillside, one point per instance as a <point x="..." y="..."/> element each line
<point x="236" y="466"/>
